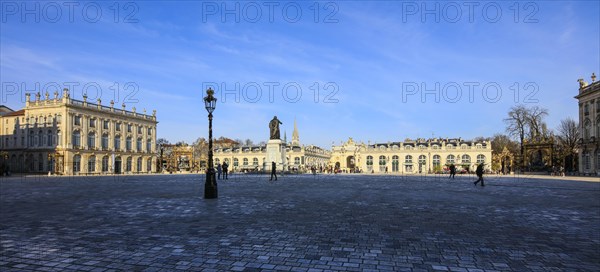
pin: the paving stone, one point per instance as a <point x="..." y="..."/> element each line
<point x="300" y="223"/>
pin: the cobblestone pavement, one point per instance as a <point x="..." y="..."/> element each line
<point x="299" y="223"/>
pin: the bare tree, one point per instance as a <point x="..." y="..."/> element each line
<point x="535" y="122"/>
<point x="517" y="124"/>
<point x="568" y="133"/>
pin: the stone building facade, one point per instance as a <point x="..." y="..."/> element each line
<point x="411" y="156"/>
<point x="589" y="124"/>
<point x="65" y="136"/>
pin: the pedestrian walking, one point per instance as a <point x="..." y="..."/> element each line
<point x="452" y="171"/>
<point x="479" y="173"/>
<point x="225" y="169"/>
<point x="273" y="170"/>
<point x="219" y="170"/>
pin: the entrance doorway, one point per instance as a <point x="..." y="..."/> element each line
<point x="118" y="168"/>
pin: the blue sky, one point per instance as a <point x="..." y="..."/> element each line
<point x="371" y="63"/>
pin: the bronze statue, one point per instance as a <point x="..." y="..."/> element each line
<point x="274" y="127"/>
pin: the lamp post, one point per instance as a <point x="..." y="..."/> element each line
<point x="210" y="187"/>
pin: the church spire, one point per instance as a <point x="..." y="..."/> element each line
<point x="295" y="136"/>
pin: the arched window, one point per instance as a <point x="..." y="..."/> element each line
<point x="370" y="163"/>
<point x="226" y="161"/>
<point x="450" y="159"/>
<point x="139" y="164"/>
<point x="128" y="164"/>
<point x="76" y="164"/>
<point x="382" y="163"/>
<point x="91" y="164"/>
<point x="117" y="143"/>
<point x="76" y="139"/>
<point x="104" y="141"/>
<point x="255" y="161"/>
<point x="437" y="162"/>
<point x="395" y="163"/>
<point x="245" y="161"/>
<point x="105" y="164"/>
<point x="149" y="145"/>
<point x="91" y="140"/>
<point x="465" y="159"/>
<point x="149" y="165"/>
<point x="236" y="162"/>
<point x="408" y="159"/>
<point x="128" y="144"/>
<point x="480" y="158"/>
<point x="586" y="129"/>
<point x="422" y="159"/>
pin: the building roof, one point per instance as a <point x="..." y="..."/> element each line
<point x="14" y="113"/>
<point x="4" y="110"/>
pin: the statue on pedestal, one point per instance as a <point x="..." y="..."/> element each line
<point x="274" y="128"/>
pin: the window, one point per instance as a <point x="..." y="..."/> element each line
<point x="480" y="158"/>
<point x="49" y="138"/>
<point x="586" y="129"/>
<point x="255" y="161"/>
<point x="92" y="122"/>
<point x="422" y="160"/>
<point x="105" y="164"/>
<point x="118" y="126"/>
<point x="437" y="161"/>
<point x="382" y="163"/>
<point x="466" y="158"/>
<point x="128" y="127"/>
<point x="464" y="146"/>
<point x="42" y="141"/>
<point x="58" y="119"/>
<point x="408" y="159"/>
<point x="408" y="147"/>
<point x="236" y="163"/>
<point x="149" y="165"/>
<point x="77" y="120"/>
<point x="449" y="146"/>
<point x="139" y="130"/>
<point x="586" y="109"/>
<point x="76" y="139"/>
<point x="149" y="131"/>
<point x="435" y="147"/>
<point x="128" y="165"/>
<point x="245" y="161"/>
<point x="149" y="145"/>
<point x="297" y="160"/>
<point x="40" y="162"/>
<point x="139" y="144"/>
<point x="478" y="146"/>
<point x="117" y="143"/>
<point x="91" y="141"/>
<point x="105" y="124"/>
<point x="104" y="141"/>
<point x="92" y="164"/>
<point x="395" y="163"/>
<point x="139" y="164"/>
<point x="450" y="159"/>
<point x="370" y="163"/>
<point x="586" y="160"/>
<point x="58" y="137"/>
<point x="76" y="164"/>
<point x="128" y="144"/>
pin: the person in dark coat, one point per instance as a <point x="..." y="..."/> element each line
<point x="452" y="171"/>
<point x="225" y="169"/>
<point x="219" y="170"/>
<point x="273" y="170"/>
<point x="479" y="173"/>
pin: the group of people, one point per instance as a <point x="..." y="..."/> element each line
<point x="222" y="169"/>
<point x="478" y="172"/>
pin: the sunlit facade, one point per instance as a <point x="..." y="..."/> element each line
<point x="65" y="136"/>
<point x="589" y="125"/>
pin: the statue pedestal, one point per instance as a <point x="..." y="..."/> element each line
<point x="275" y="153"/>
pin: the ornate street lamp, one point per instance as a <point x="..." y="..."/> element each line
<point x="210" y="187"/>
